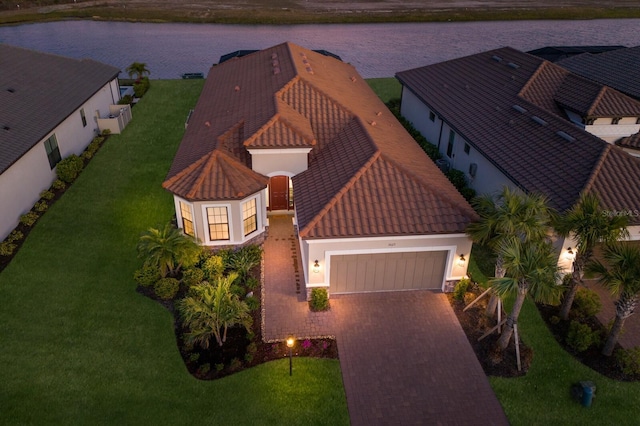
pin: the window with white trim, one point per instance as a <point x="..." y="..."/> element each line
<point x="218" y="219"/>
<point x="187" y="219"/>
<point x="249" y="216"/>
<point x="53" y="152"/>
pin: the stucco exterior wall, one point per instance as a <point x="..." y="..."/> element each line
<point x="322" y="250"/>
<point x="272" y="162"/>
<point x="21" y="184"/>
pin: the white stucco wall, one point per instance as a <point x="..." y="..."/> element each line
<point x="271" y="162"/>
<point x="21" y="184"/>
<point x="322" y="250"/>
<point x="234" y="213"/>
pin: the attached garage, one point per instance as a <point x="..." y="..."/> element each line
<point x="356" y="273"/>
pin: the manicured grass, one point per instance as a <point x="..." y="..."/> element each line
<point x="386" y="88"/>
<point x="80" y="346"/>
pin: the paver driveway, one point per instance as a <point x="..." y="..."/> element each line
<point x="404" y="357"/>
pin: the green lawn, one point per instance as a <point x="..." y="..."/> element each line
<point x="78" y="345"/>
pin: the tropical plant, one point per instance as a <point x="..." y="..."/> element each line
<point x="530" y="269"/>
<point x="168" y="249"/>
<point x="138" y="70"/>
<point x="210" y="309"/>
<point x="622" y="277"/>
<point x="243" y="260"/>
<point x="588" y="225"/>
<point x="510" y="214"/>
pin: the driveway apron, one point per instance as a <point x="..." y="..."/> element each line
<point x="406" y="361"/>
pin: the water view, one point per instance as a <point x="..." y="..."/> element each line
<point x="376" y="50"/>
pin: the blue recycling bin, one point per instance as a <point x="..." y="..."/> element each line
<point x="588" y="392"/>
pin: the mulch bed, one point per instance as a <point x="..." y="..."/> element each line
<point x="241" y="350"/>
<point x="475" y="323"/>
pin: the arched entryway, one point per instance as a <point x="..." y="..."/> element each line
<point x="280" y="193"/>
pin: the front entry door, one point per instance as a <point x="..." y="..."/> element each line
<point x="279" y="193"/>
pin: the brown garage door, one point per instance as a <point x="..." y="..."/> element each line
<point x="356" y="273"/>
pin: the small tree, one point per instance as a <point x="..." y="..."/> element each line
<point x="138" y="70"/>
<point x="589" y="225"/>
<point x="244" y="260"/>
<point x="530" y="269"/>
<point x="622" y="278"/>
<point x="168" y="249"/>
<point x="210" y="310"/>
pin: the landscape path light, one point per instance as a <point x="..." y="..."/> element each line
<point x="290" y="342"/>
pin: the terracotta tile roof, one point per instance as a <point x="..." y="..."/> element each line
<point x="366" y="175"/>
<point x="632" y="141"/>
<point x="532" y="145"/>
<point x="37" y="92"/>
<point x="619" y="69"/>
<point x="590" y="99"/>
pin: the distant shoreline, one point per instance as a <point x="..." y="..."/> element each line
<point x="137" y="11"/>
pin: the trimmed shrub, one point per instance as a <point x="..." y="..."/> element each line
<point x="147" y="276"/>
<point x="253" y="283"/>
<point x="7" y="248"/>
<point x="125" y="100"/>
<point x="58" y="184"/>
<point x="319" y="299"/>
<point x="29" y="219"/>
<point x="41" y="206"/>
<point x="192" y="276"/>
<point x="580" y="336"/>
<point x="252" y="302"/>
<point x="213" y="268"/>
<point x="457" y="178"/>
<point x="628" y="361"/>
<point x="219" y="367"/>
<point x="461" y="288"/>
<point x="586" y="303"/>
<point x="107" y="132"/>
<point x="47" y="195"/>
<point x="69" y="168"/>
<point x="204" y="369"/>
<point x="166" y="288"/>
<point x="14" y="236"/>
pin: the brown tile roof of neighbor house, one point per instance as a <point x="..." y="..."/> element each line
<point x="619" y="69"/>
<point x="366" y="175"/>
<point x="503" y="102"/>
<point x="632" y="141"/>
<point x="37" y="92"/>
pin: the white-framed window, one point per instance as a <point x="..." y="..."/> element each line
<point x="187" y="219"/>
<point x="249" y="216"/>
<point x="53" y="152"/>
<point x="218" y="221"/>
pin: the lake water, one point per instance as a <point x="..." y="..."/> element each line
<point x="376" y="50"/>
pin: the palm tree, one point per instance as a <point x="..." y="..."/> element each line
<point x="589" y="225"/>
<point x="622" y="278"/>
<point x="210" y="310"/>
<point x="168" y="249"/>
<point x="530" y="269"/>
<point x="138" y="69"/>
<point x="510" y="214"/>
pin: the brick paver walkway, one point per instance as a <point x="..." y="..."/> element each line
<point x="404" y="357"/>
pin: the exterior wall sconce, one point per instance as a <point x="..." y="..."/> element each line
<point x="569" y="255"/>
<point x="316" y="266"/>
<point x="462" y="260"/>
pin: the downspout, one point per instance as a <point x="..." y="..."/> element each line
<point x="440" y="135"/>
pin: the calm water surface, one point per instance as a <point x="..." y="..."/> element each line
<point x="376" y="50"/>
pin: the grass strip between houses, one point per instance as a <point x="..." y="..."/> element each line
<point x="81" y="346"/>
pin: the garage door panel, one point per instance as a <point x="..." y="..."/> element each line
<point x="387" y="271"/>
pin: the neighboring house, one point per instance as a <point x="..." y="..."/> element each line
<point x="558" y="53"/>
<point x="618" y="69"/>
<point x="505" y="117"/>
<point x="48" y="110"/>
<point x="287" y="130"/>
